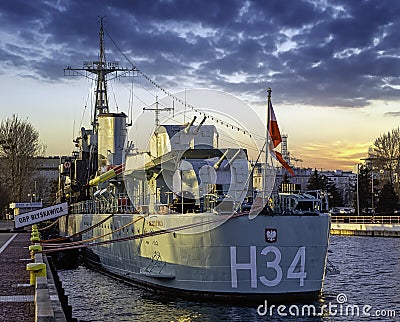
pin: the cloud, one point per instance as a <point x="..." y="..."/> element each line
<point x="323" y="53"/>
<point x="392" y="114"/>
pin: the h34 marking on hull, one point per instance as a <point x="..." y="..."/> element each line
<point x="296" y="270"/>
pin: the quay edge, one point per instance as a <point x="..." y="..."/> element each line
<point x="369" y="230"/>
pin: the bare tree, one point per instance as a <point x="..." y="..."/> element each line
<point x="19" y="145"/>
<point x="386" y="154"/>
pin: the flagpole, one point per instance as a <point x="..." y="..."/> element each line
<point x="269" y="90"/>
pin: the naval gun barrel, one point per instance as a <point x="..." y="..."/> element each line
<point x="107" y="175"/>
<point x="197" y="128"/>
<point x="187" y="128"/>
<point x="218" y="163"/>
<point x="232" y="159"/>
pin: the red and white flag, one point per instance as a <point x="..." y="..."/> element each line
<point x="279" y="157"/>
<point x="273" y="128"/>
<point x="276" y="138"/>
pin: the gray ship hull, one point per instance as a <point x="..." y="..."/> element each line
<point x="267" y="257"/>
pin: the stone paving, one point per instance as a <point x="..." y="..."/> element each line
<point x="16" y="297"/>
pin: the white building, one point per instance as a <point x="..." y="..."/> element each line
<point x="345" y="182"/>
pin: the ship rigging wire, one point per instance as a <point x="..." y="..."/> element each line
<point x="80" y="232"/>
<point x="49" y="245"/>
<point x="115" y="98"/>
<point x="166" y="92"/>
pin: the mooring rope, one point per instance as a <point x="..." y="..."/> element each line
<point x="78" y="233"/>
<point x="50" y="225"/>
<point x="91" y="239"/>
<point x="142" y="235"/>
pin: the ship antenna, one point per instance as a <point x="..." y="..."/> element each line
<point x="157" y="111"/>
<point x="101" y="106"/>
<point x="101" y="69"/>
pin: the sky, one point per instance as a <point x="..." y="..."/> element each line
<point x="333" y="65"/>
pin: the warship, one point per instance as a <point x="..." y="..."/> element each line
<point x="183" y="216"/>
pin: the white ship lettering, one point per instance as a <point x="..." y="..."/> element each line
<point x="296" y="269"/>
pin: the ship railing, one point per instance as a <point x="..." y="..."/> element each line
<point x="354" y="219"/>
<point x="112" y="205"/>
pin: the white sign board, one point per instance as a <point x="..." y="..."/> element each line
<point x="26" y="205"/>
<point x="33" y="217"/>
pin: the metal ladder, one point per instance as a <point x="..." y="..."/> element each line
<point x="156" y="263"/>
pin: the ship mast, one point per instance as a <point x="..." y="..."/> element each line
<point x="157" y="111"/>
<point x="101" y="69"/>
<point x="265" y="197"/>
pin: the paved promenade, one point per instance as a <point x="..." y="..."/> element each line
<point x="16" y="295"/>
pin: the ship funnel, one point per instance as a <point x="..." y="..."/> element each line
<point x="186" y="130"/>
<point x="218" y="164"/>
<point x="197" y="128"/>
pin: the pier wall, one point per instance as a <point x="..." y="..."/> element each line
<point x="47" y="303"/>
<point x="373" y="226"/>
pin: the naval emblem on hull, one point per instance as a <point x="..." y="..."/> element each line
<point x="271" y="235"/>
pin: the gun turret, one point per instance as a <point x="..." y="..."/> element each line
<point x="218" y="163"/>
<point x="197" y="128"/>
<point x="232" y="159"/>
<point x="186" y="130"/>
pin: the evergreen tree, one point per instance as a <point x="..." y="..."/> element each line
<point x="364" y="189"/>
<point x="335" y="197"/>
<point x="388" y="199"/>
<point x="321" y="182"/>
<point x="317" y="181"/>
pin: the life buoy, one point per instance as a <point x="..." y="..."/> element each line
<point x="67" y="164"/>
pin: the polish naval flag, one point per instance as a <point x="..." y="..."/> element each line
<point x="273" y="128"/>
<point x="276" y="138"/>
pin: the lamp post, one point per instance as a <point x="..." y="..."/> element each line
<point x="372" y="195"/>
<point x="358" y="196"/>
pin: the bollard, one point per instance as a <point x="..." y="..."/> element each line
<point x="33" y="249"/>
<point x="36" y="270"/>
<point x="35" y="236"/>
<point x="35" y="239"/>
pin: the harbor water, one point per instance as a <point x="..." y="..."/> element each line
<point x="366" y="290"/>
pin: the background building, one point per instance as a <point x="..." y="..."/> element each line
<point x="45" y="180"/>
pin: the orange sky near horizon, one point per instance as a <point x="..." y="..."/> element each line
<point x="335" y="138"/>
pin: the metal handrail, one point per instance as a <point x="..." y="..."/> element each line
<point x="100" y="206"/>
<point x="365" y="219"/>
